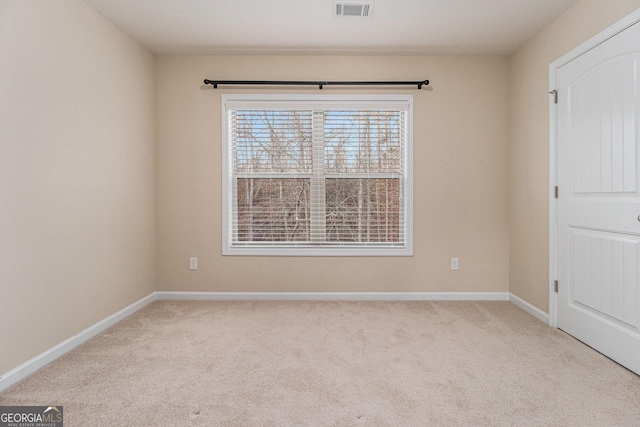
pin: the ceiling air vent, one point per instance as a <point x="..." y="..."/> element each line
<point x="357" y="9"/>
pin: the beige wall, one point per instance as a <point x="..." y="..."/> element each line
<point x="460" y="187"/>
<point x="529" y="140"/>
<point x="77" y="173"/>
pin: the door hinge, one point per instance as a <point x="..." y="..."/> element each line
<point x="555" y="192"/>
<point x="555" y="96"/>
<point x="555" y="286"/>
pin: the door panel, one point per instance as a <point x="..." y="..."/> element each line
<point x="599" y="197"/>
<point x="604" y="275"/>
<point x="604" y="124"/>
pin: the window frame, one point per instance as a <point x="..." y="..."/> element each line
<point x="381" y="101"/>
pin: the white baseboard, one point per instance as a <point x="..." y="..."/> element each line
<point x="30" y="366"/>
<point x="334" y="296"/>
<point x="531" y="309"/>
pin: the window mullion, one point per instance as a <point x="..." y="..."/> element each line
<point x="318" y="198"/>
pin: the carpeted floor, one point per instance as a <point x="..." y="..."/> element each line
<point x="181" y="363"/>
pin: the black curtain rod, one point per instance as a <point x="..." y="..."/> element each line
<point x="320" y="84"/>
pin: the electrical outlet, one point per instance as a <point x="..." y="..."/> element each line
<point x="455" y="264"/>
<point x="193" y="263"/>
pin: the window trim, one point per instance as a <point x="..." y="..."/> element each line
<point x="230" y="101"/>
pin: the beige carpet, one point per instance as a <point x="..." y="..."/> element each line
<point x="334" y="364"/>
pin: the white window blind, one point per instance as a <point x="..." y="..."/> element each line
<point x="317" y="175"/>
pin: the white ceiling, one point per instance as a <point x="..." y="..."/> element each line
<point x="466" y="27"/>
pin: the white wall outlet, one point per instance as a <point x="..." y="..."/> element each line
<point x="455" y="264"/>
<point x="193" y="263"/>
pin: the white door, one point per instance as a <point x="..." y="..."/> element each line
<point x="598" y="169"/>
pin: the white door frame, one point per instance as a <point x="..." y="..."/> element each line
<point x="594" y="41"/>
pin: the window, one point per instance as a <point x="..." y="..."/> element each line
<point x="317" y="175"/>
